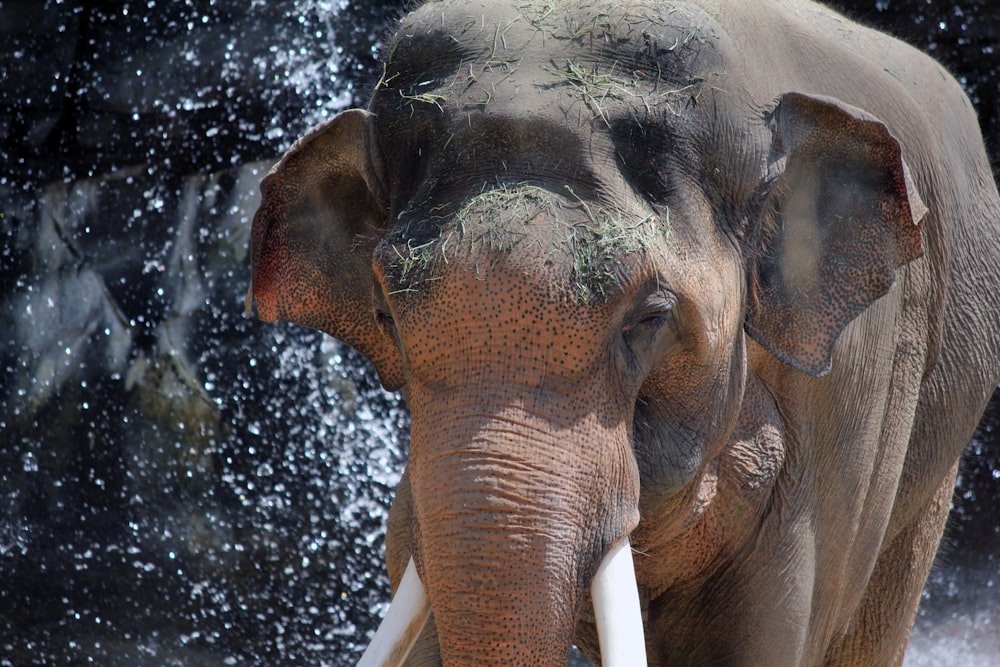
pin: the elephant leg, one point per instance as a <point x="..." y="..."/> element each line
<point x="879" y="631"/>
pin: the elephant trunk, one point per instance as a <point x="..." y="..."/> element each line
<point x="501" y="577"/>
<point x="513" y="515"/>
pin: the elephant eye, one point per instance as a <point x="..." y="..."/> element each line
<point x="387" y="325"/>
<point x="384" y="321"/>
<point x="652" y="320"/>
<point x="383" y="316"/>
<point x="646" y="325"/>
<point x="646" y="330"/>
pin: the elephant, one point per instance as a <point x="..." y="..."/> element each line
<point x="694" y="307"/>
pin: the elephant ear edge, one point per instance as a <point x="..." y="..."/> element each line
<point x="322" y="212"/>
<point x="841" y="215"/>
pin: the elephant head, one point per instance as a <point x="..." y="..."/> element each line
<point x="559" y="252"/>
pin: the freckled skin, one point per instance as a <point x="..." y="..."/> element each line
<point x="716" y="276"/>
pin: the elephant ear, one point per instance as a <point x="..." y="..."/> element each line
<point x="841" y="214"/>
<point x="320" y="217"/>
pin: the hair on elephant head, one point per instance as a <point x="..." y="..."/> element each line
<point x="680" y="275"/>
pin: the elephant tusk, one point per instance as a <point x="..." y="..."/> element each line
<point x="248" y="301"/>
<point x="616" y="608"/>
<point x="403" y="623"/>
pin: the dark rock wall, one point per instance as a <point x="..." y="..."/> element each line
<point x="180" y="485"/>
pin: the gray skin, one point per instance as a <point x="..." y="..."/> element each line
<point x="720" y="277"/>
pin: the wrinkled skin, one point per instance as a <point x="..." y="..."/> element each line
<point x="720" y="277"/>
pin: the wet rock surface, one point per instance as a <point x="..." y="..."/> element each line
<point x="181" y="485"/>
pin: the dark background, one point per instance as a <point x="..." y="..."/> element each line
<point x="180" y="485"/>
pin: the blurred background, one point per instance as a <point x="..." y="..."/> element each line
<point x="180" y="485"/>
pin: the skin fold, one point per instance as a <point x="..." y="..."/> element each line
<point x="719" y="277"/>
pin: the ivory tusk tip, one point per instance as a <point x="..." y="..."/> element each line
<point x="404" y="621"/>
<point x="617" y="611"/>
<point x="248" y="302"/>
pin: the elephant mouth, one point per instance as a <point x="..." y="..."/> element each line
<point x="616" y="609"/>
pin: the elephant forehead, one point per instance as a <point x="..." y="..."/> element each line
<point x="578" y="251"/>
<point x="637" y="34"/>
<point x="575" y="62"/>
